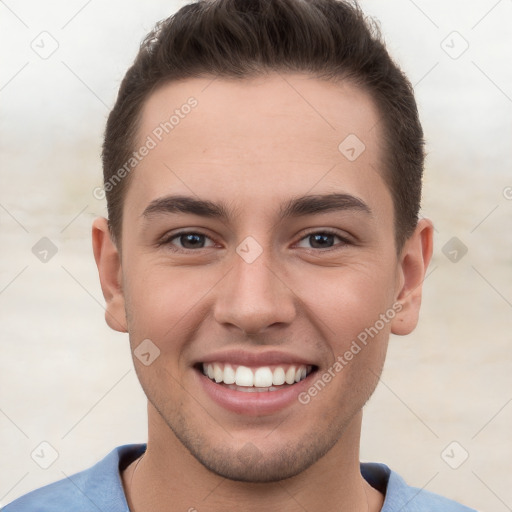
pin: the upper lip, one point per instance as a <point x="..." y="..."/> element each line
<point x="262" y="358"/>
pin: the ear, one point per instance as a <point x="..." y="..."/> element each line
<point x="413" y="263"/>
<point x="108" y="262"/>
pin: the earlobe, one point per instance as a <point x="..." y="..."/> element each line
<point x="108" y="262"/>
<point x="414" y="260"/>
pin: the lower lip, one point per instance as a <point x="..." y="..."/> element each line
<point x="253" y="404"/>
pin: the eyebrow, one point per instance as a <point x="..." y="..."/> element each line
<point x="296" y="207"/>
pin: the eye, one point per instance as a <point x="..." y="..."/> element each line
<point x="187" y="240"/>
<point x="192" y="240"/>
<point x="323" y="240"/>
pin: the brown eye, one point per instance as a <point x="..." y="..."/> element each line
<point x="187" y="240"/>
<point x="323" y="240"/>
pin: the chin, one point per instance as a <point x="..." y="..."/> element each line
<point x="263" y="460"/>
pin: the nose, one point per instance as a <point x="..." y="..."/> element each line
<point x="254" y="296"/>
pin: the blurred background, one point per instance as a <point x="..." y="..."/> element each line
<point x="442" y="414"/>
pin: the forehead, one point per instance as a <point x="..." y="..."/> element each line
<point x="257" y="139"/>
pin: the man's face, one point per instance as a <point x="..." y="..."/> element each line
<point x="262" y="287"/>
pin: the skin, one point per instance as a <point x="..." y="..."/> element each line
<point x="253" y="145"/>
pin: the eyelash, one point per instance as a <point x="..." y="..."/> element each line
<point x="344" y="241"/>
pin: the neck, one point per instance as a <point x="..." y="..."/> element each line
<point x="168" y="478"/>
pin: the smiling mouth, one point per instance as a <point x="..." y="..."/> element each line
<point x="256" y="379"/>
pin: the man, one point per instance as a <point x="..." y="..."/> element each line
<point x="262" y="167"/>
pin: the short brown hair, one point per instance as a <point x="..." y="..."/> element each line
<point x="329" y="39"/>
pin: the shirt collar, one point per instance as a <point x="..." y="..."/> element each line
<point x="111" y="489"/>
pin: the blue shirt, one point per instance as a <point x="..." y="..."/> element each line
<point x="100" y="488"/>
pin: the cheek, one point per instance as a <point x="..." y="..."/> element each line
<point x="354" y="312"/>
<point x="165" y="301"/>
<point x="348" y="300"/>
<point x="160" y="298"/>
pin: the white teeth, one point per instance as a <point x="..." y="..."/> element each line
<point x="218" y="374"/>
<point x="246" y="389"/>
<point x="299" y="374"/>
<point x="262" y="377"/>
<point x="229" y="374"/>
<point x="290" y="375"/>
<point x="244" y="376"/>
<point x="278" y="377"/>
